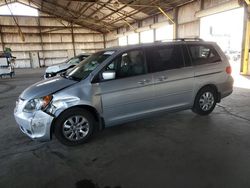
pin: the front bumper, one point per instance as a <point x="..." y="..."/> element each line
<point x="36" y="125"/>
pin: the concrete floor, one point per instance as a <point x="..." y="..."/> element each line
<point x="174" y="150"/>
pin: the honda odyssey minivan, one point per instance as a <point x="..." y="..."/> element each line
<point x="122" y="84"/>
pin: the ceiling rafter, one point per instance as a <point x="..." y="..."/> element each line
<point x="102" y="15"/>
<point x="157" y="12"/>
<point x="89" y="4"/>
<point x="75" y="16"/>
<point x="136" y="11"/>
<point x="108" y="15"/>
<point x="98" y="9"/>
<point x="69" y="3"/>
<point x="63" y="17"/>
<point x="82" y="7"/>
<point x="124" y="14"/>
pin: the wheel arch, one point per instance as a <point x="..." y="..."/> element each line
<point x="214" y="87"/>
<point x="99" y="125"/>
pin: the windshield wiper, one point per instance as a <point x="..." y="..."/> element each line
<point x="73" y="78"/>
<point x="64" y="75"/>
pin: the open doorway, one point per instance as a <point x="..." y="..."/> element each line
<point x="225" y="28"/>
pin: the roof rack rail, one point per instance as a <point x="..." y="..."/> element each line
<point x="189" y="39"/>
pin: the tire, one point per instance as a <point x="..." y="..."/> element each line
<point x="74" y="127"/>
<point x="205" y="101"/>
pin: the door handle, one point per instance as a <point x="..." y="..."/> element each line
<point x="162" y="78"/>
<point x="145" y="81"/>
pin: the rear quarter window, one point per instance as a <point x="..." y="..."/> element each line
<point x="203" y="54"/>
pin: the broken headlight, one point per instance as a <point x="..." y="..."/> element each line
<point x="37" y="104"/>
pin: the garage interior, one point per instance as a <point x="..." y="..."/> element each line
<point x="171" y="150"/>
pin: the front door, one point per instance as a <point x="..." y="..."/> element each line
<point x="130" y="94"/>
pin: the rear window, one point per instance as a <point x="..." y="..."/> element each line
<point x="203" y="54"/>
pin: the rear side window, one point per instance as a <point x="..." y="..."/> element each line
<point x="203" y="54"/>
<point x="163" y="58"/>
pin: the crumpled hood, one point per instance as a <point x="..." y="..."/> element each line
<point x="46" y="87"/>
<point x="57" y="68"/>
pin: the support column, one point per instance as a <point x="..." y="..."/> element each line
<point x="154" y="31"/>
<point x="73" y="39"/>
<point x="245" y="63"/>
<point x="202" y="6"/>
<point x="176" y="10"/>
<point x="1" y="37"/>
<point x="104" y="40"/>
<point x="41" y="43"/>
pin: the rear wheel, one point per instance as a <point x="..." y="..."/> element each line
<point x="205" y="101"/>
<point x="74" y="126"/>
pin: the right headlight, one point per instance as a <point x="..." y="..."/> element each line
<point x="37" y="104"/>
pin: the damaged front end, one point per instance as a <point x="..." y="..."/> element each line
<point x="35" y="116"/>
<point x="32" y="118"/>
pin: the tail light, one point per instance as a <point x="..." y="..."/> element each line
<point x="229" y="70"/>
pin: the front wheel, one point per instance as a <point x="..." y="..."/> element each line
<point x="205" y="101"/>
<point x="74" y="127"/>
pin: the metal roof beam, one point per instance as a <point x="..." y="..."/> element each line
<point x="136" y="11"/>
<point x="65" y="18"/>
<point x="98" y="9"/>
<point x="74" y="17"/>
<point x="118" y="9"/>
<point x="106" y="6"/>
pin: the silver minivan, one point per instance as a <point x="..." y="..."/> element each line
<point x="122" y="84"/>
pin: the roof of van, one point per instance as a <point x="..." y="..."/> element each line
<point x="160" y="43"/>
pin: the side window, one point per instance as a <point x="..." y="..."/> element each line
<point x="163" y="58"/>
<point x="203" y="54"/>
<point x="128" y="64"/>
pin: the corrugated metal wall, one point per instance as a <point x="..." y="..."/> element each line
<point x="52" y="40"/>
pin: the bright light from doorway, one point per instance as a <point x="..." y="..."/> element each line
<point x="225" y="28"/>
<point x="147" y="36"/>
<point x="123" y="41"/>
<point x="18" y="9"/>
<point x="164" y="33"/>
<point x="133" y="38"/>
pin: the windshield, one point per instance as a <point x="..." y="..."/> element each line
<point x="89" y="64"/>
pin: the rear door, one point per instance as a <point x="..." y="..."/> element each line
<point x="173" y="78"/>
<point x="130" y="94"/>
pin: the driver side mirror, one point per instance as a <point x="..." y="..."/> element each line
<point x="108" y="75"/>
